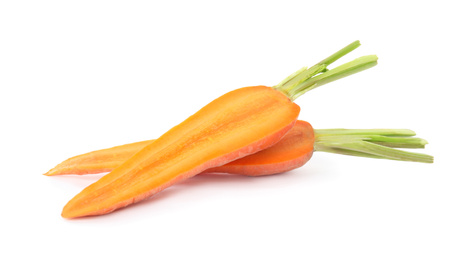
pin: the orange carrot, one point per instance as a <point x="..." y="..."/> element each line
<point x="239" y="123"/>
<point x="291" y="152"/>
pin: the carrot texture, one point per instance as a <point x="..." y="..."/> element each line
<point x="239" y="123"/>
<point x="291" y="152"/>
<point x="99" y="161"/>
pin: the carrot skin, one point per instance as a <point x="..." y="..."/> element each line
<point x="237" y="124"/>
<point x="291" y="152"/>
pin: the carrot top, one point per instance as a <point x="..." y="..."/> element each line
<point x="306" y="79"/>
<point x="372" y="143"/>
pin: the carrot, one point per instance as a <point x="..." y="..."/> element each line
<point x="239" y="123"/>
<point x="291" y="152"/>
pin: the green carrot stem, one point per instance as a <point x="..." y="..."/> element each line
<point x="292" y="77"/>
<point x="395" y="138"/>
<point x="377" y="131"/>
<point x="348" y="152"/>
<point x="334" y="57"/>
<point x="305" y="73"/>
<point x="307" y="79"/>
<point x="372" y="143"/>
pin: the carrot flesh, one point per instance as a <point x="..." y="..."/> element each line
<point x="239" y="123"/>
<point x="99" y="161"/>
<point x="291" y="152"/>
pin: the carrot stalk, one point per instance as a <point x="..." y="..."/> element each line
<point x="307" y="79"/>
<point x="291" y="152"/>
<point x="339" y="72"/>
<point x="304" y="73"/>
<point x="376" y="143"/>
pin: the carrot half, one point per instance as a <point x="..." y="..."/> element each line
<point x="237" y="124"/>
<point x="291" y="152"/>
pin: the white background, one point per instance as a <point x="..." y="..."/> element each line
<point x="77" y="76"/>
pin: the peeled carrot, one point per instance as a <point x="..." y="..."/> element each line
<point x="239" y="123"/>
<point x="291" y="152"/>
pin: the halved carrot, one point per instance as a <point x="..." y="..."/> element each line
<point x="239" y="123"/>
<point x="291" y="152"/>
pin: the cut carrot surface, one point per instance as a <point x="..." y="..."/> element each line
<point x="100" y="161"/>
<point x="237" y="124"/>
<point x="291" y="152"/>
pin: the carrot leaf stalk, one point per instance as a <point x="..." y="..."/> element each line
<point x="306" y="79"/>
<point x="372" y="143"/>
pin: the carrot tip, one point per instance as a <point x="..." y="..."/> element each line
<point x="51" y="172"/>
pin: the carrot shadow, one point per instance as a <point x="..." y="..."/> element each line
<point x="214" y="179"/>
<point x="196" y="182"/>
